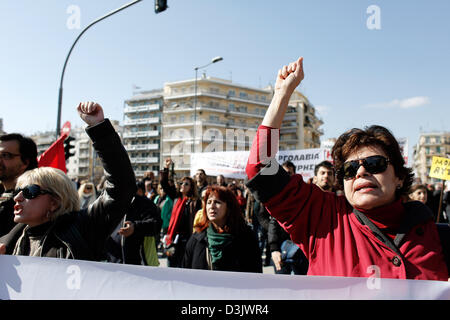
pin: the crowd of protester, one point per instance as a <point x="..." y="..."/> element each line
<point x="330" y="224"/>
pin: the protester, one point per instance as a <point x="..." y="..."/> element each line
<point x="86" y="194"/>
<point x="223" y="240"/>
<point x="142" y="221"/>
<point x="370" y="229"/>
<point x="220" y="181"/>
<point x="239" y="196"/>
<point x="324" y="176"/>
<point x="17" y="155"/>
<point x="186" y="205"/>
<point x="165" y="204"/>
<point x="289" y="167"/>
<point x="286" y="256"/>
<point x="200" y="180"/>
<point x="46" y="209"/>
<point x="418" y="192"/>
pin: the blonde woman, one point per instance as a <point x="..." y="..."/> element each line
<point x="47" y="210"/>
<point x="86" y="194"/>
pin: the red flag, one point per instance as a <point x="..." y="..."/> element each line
<point x="54" y="156"/>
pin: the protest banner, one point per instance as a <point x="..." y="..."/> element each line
<point x="62" y="279"/>
<point x="440" y="168"/>
<point x="231" y="164"/>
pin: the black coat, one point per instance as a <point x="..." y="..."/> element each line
<point x="82" y="234"/>
<point x="6" y="212"/>
<point x="147" y="222"/>
<point x="242" y="254"/>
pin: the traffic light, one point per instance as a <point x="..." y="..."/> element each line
<point x="160" y="5"/>
<point x="68" y="147"/>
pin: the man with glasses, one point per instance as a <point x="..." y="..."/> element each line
<point x="17" y="155"/>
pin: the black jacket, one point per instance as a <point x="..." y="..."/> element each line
<point x="276" y="235"/>
<point x="6" y="212"/>
<point x="242" y="254"/>
<point x="147" y="222"/>
<point x="82" y="234"/>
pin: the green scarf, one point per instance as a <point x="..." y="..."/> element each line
<point x="216" y="242"/>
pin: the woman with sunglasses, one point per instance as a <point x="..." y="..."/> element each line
<point x="86" y="194"/>
<point x="185" y="206"/>
<point x="369" y="232"/>
<point x="47" y="209"/>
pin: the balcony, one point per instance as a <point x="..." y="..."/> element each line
<point x="142" y="147"/>
<point x="141" y="134"/>
<point x="144" y="108"/>
<point x="135" y="122"/>
<point x="141" y="160"/>
<point x="219" y="95"/>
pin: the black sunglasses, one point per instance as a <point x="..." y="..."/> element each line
<point x="373" y="164"/>
<point x="32" y="191"/>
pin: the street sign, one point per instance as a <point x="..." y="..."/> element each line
<point x="440" y="168"/>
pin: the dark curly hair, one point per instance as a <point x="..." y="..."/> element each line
<point x="374" y="135"/>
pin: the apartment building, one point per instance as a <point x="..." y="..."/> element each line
<point x="142" y="130"/>
<point x="430" y="145"/>
<point x="207" y="115"/>
<point x="85" y="164"/>
<point x="43" y="140"/>
<point x="300" y="128"/>
<point x="215" y="115"/>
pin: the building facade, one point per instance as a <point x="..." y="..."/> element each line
<point x="430" y="145"/>
<point x="207" y="115"/>
<point x="142" y="131"/>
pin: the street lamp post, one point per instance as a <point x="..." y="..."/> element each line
<point x="214" y="60"/>
<point x="58" y="119"/>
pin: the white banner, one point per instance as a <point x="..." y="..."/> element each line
<point x="231" y="164"/>
<point x="49" y="279"/>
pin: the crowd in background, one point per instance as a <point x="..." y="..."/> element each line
<point x="273" y="244"/>
<point x="200" y="222"/>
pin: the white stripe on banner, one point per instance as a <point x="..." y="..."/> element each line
<point x="48" y="279"/>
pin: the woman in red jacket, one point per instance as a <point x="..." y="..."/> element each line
<point x="369" y="232"/>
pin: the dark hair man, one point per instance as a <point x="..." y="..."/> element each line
<point x="324" y="176"/>
<point x="200" y="179"/>
<point x="17" y="155"/>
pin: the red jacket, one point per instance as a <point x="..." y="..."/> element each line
<point x="340" y="241"/>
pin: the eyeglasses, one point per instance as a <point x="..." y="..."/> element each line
<point x="373" y="164"/>
<point x="32" y="191"/>
<point x="8" y="155"/>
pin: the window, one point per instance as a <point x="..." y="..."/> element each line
<point x="243" y="95"/>
<point x="231" y="93"/>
